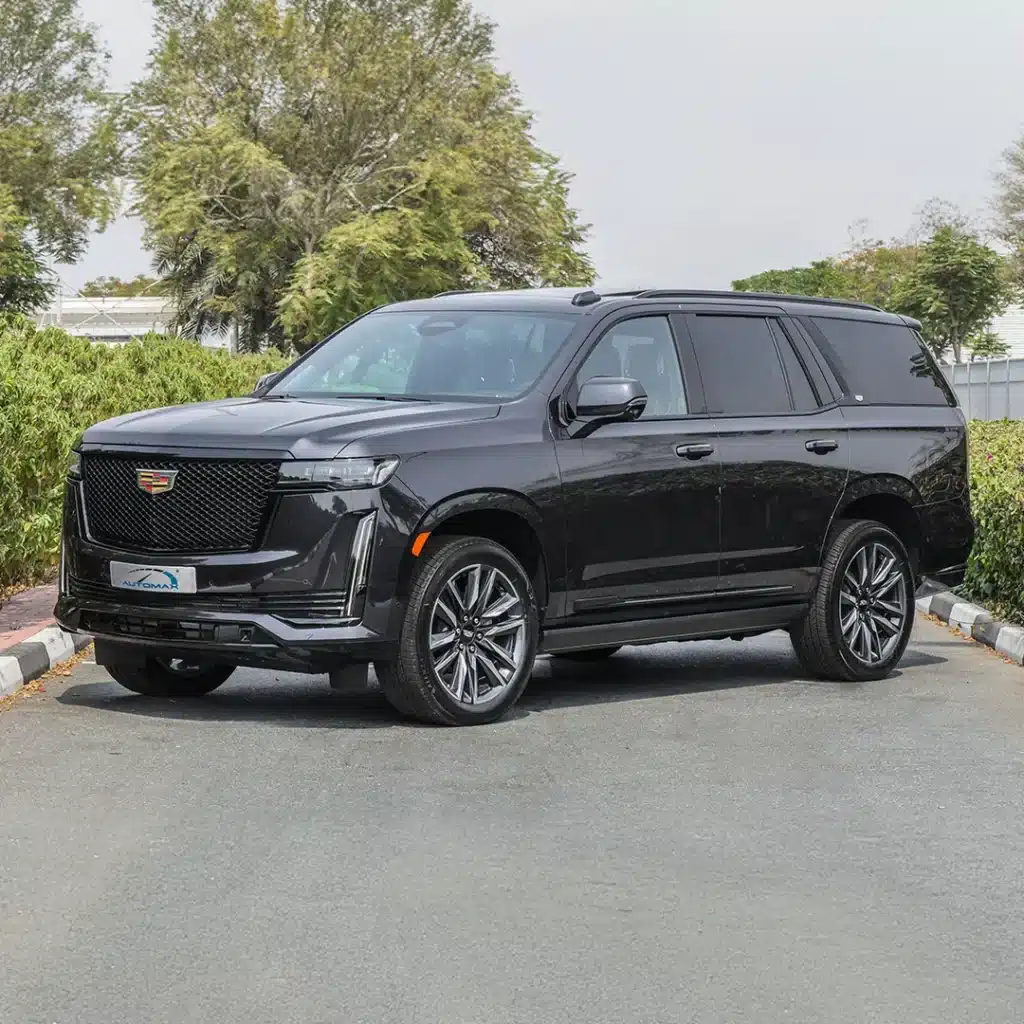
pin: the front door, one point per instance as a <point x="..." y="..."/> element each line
<point x="785" y="456"/>
<point x="641" y="498"/>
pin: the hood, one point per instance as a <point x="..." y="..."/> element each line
<point x="302" y="428"/>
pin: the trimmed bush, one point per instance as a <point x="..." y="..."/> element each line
<point x="53" y="386"/>
<point x="995" y="576"/>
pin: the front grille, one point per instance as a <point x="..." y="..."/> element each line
<point x="215" y="506"/>
<point x="296" y="608"/>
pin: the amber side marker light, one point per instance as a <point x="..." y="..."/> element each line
<point x="419" y="543"/>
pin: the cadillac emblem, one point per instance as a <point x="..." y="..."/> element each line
<point x="155" y="481"/>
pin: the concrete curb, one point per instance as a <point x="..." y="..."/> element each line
<point x="34" y="657"/>
<point x="976" y="622"/>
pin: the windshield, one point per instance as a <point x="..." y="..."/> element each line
<point x="432" y="355"/>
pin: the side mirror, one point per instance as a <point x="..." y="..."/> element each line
<point x="611" y="400"/>
<point x="265" y="381"/>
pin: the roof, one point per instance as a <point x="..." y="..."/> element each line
<point x="576" y="300"/>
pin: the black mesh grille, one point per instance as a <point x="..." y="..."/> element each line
<point x="291" y="606"/>
<point x="213" y="506"/>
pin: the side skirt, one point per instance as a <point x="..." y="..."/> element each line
<point x="708" y="626"/>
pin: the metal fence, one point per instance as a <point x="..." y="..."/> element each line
<point x="989" y="389"/>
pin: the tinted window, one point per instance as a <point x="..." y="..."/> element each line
<point x="644" y="350"/>
<point x="803" y="394"/>
<point x="883" y="363"/>
<point x="740" y="366"/>
<point x="428" y="355"/>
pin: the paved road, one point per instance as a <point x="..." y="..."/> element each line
<point x="690" y="833"/>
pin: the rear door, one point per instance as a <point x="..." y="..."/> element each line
<point x="783" y="442"/>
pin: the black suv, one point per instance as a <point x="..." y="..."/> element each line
<point x="447" y="488"/>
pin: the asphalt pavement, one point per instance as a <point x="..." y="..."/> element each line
<point x="689" y="832"/>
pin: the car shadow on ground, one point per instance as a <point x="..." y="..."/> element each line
<point x="635" y="673"/>
<point x="642" y="673"/>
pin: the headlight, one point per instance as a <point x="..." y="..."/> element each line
<point x="338" y="474"/>
<point x="75" y="465"/>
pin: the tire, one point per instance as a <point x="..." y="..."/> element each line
<point x="474" y="683"/>
<point x="876" y="607"/>
<point x="166" y="677"/>
<point x="593" y="654"/>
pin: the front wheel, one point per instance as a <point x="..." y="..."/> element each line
<point x="469" y="635"/>
<point x="862" y="613"/>
<point x="171" y="677"/>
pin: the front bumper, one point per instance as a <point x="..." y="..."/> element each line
<point x="316" y="595"/>
<point x="255" y="640"/>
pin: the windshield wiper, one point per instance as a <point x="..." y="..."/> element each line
<point x="379" y="398"/>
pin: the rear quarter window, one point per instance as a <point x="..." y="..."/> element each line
<point x="882" y="364"/>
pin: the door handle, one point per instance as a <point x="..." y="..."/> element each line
<point x="694" y="451"/>
<point x="822" y="447"/>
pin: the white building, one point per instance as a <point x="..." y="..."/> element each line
<point x="115" y="321"/>
<point x="1010" y="327"/>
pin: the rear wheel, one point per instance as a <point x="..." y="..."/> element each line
<point x="593" y="654"/>
<point x="171" y="677"/>
<point x="862" y="613"/>
<point x="469" y="635"/>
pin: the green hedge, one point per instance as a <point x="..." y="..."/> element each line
<point x="995" y="576"/>
<point x="53" y="386"/>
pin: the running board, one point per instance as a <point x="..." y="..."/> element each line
<point x="708" y="626"/>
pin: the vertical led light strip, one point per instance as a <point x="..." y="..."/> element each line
<point x="362" y="544"/>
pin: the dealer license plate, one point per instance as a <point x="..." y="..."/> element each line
<point x="153" y="579"/>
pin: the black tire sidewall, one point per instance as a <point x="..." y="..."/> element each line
<point x="853" y="543"/>
<point x="482" y="552"/>
<point x="154" y="679"/>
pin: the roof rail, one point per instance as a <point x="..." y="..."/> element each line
<point x="458" y="291"/>
<point x="671" y="293"/>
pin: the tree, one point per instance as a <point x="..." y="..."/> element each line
<point x="25" y="283"/>
<point x="1010" y="207"/>
<point x="987" y="345"/>
<point x="302" y="160"/>
<point x="60" y="150"/>
<point x="955" y="287"/>
<point x="114" y="287"/>
<point x="867" y="273"/>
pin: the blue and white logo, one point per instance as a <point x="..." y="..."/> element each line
<point x="154" y="579"/>
<point x="151" y="579"/>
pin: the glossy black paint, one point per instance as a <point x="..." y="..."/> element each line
<point x="644" y="530"/>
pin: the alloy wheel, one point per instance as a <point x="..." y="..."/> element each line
<point x="873" y="604"/>
<point x="477" y="636"/>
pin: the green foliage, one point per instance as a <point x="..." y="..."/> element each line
<point x="25" y="283"/>
<point x="53" y="386"/>
<point x="297" y="147"/>
<point x="1009" y="207"/>
<point x="995" y="576"/>
<point x="955" y="287"/>
<point x="865" y="274"/>
<point x="952" y="282"/>
<point x="115" y="288"/>
<point x="60" y="143"/>
<point x="458" y="226"/>
<point x="987" y="345"/>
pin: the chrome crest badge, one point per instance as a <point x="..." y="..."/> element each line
<point x="156" y="481"/>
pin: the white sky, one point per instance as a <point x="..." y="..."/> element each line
<point x="712" y="139"/>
